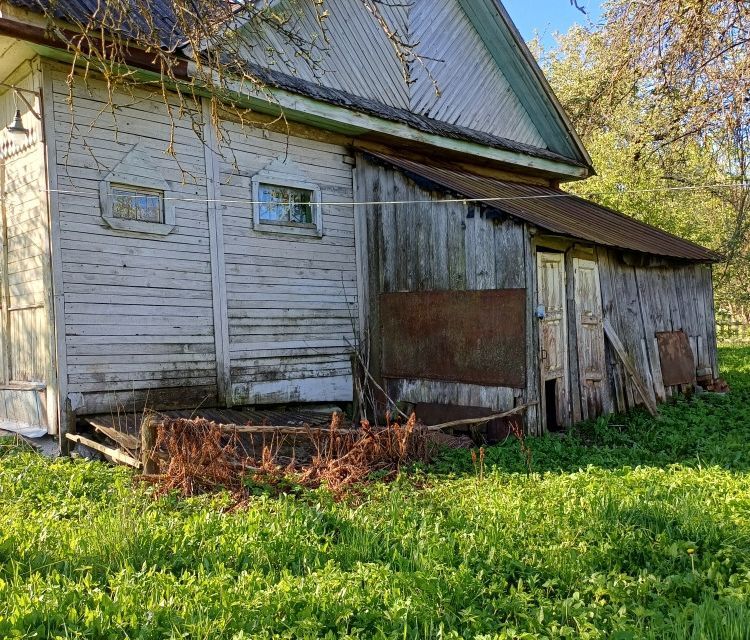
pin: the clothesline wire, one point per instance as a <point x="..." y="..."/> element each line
<point x="250" y="201"/>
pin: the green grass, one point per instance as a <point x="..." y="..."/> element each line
<point x="630" y="528"/>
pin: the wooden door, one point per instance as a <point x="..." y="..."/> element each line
<point x="553" y="340"/>
<point x="590" y="336"/>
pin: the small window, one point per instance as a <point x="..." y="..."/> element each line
<point x="135" y="196"/>
<point x="144" y="205"/>
<point x="286" y="205"/>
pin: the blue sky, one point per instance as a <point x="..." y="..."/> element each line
<point x="548" y="16"/>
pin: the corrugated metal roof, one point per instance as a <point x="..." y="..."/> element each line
<point x="555" y="211"/>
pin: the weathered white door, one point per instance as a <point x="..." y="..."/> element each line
<point x="590" y="334"/>
<point x="553" y="339"/>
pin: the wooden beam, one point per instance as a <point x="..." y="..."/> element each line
<point x="112" y="454"/>
<point x="125" y="440"/>
<point x="482" y="420"/>
<point x="630" y="367"/>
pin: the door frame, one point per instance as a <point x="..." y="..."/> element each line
<point x="563" y="390"/>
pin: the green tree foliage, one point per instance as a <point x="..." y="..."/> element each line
<point x="660" y="93"/>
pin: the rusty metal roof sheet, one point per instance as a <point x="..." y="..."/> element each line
<point x="555" y="211"/>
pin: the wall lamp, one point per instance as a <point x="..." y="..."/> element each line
<point x="16" y="128"/>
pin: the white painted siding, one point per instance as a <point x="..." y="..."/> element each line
<point x="291" y="299"/>
<point x="25" y="356"/>
<point x="138" y="308"/>
<point x="25" y="211"/>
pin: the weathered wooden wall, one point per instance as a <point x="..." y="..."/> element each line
<point x="643" y="300"/>
<point x="432" y="246"/>
<point x="440" y="246"/>
<point x="214" y="311"/>
<point x="292" y="299"/>
<point x="138" y="317"/>
<point x="25" y="355"/>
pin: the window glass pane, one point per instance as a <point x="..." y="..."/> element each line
<point x="285" y="204"/>
<point x="137" y="204"/>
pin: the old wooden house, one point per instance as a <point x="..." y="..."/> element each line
<point x="243" y="271"/>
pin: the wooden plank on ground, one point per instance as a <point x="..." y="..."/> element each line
<point x="112" y="454"/>
<point x="125" y="440"/>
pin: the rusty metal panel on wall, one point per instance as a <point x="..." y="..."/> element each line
<point x="676" y="356"/>
<point x="476" y="337"/>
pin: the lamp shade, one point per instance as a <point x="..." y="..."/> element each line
<point x="16" y="127"/>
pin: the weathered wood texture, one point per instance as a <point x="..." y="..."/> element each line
<point x="456" y="79"/>
<point x="25" y="263"/>
<point x="292" y="299"/>
<point x="432" y="246"/>
<point x="26" y="319"/>
<point x="640" y="301"/>
<point x="138" y="308"/>
<point x="427" y="246"/>
<point x="141" y="309"/>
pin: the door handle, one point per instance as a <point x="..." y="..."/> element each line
<point x="544" y="354"/>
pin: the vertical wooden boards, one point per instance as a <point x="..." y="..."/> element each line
<point x="218" y="270"/>
<point x="57" y="389"/>
<point x="575" y="377"/>
<point x="430" y="245"/>
<point x="644" y="300"/>
<point x="631" y="367"/>
<point x="456" y="240"/>
<point x="593" y="379"/>
<point x="653" y="320"/>
<point x="509" y="254"/>
<point x="533" y="416"/>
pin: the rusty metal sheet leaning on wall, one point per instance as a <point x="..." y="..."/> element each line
<point x="676" y="358"/>
<point x="475" y="337"/>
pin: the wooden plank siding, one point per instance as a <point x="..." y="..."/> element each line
<point x="146" y="315"/>
<point x="292" y="299"/>
<point x="642" y="300"/>
<point x="26" y="245"/>
<point x="138" y="308"/>
<point x="425" y="246"/>
<point x="26" y="371"/>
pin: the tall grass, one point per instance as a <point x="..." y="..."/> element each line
<point x="632" y="527"/>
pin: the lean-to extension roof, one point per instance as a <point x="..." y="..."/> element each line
<point x="554" y="210"/>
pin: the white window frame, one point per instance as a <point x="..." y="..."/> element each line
<point x="138" y="226"/>
<point x="314" y="229"/>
